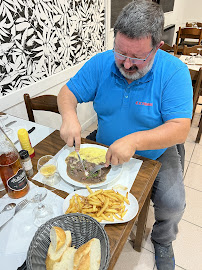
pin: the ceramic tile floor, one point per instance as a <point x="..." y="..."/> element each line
<point x="188" y="245"/>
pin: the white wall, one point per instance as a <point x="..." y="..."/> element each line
<point x="184" y="10"/>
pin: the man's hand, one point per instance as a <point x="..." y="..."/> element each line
<point x="70" y="132"/>
<point x="120" y="151"/>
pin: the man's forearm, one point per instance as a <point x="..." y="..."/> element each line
<point x="166" y="135"/>
<point x="67" y="103"/>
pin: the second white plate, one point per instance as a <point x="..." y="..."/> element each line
<point x="133" y="207"/>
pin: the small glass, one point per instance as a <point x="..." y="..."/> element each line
<point x="47" y="167"/>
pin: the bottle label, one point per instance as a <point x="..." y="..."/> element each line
<point x="17" y="181"/>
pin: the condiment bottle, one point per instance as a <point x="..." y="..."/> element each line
<point x="11" y="171"/>
<point x="26" y="162"/>
<point x="23" y="137"/>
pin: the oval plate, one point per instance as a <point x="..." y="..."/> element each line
<point x="113" y="174"/>
<point x="133" y="207"/>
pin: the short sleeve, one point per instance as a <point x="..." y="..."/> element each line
<point x="84" y="84"/>
<point x="177" y="96"/>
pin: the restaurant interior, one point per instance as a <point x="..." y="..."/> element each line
<point x="41" y="64"/>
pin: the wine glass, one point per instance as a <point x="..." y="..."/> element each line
<point x="192" y="59"/>
<point x="42" y="212"/>
<point x="47" y="167"/>
<point x="199" y="53"/>
<point x="7" y="130"/>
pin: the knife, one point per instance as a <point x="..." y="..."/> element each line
<point x="9" y="124"/>
<point x="29" y="131"/>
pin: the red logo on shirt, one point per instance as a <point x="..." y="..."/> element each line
<point x="143" y="103"/>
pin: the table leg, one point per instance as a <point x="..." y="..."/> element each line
<point x="141" y="225"/>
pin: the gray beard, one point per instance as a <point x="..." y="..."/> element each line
<point x="138" y="74"/>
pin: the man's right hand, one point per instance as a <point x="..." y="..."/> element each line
<point x="70" y="132"/>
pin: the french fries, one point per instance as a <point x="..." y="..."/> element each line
<point x="101" y="204"/>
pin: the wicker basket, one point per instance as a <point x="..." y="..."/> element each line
<point x="82" y="227"/>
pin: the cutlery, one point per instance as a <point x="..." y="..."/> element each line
<point x="10" y="123"/>
<point x="81" y="161"/>
<point x="19" y="207"/>
<point x="97" y="168"/>
<point x="29" y="131"/>
<point x="8" y="207"/>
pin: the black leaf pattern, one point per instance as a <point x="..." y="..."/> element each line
<point x="41" y="38"/>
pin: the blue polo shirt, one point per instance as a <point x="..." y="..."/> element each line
<point x="164" y="93"/>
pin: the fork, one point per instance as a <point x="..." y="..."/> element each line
<point x="18" y="207"/>
<point x="97" y="168"/>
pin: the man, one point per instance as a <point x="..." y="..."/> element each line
<point x="143" y="99"/>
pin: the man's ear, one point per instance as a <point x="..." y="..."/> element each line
<point x="160" y="44"/>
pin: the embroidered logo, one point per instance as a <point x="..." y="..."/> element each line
<point x="143" y="103"/>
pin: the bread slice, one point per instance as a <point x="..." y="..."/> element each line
<point x="55" y="256"/>
<point x="67" y="260"/>
<point x="57" y="237"/>
<point x="88" y="256"/>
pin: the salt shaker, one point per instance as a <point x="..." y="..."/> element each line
<point x="26" y="162"/>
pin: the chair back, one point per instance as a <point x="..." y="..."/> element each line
<point x="197" y="91"/>
<point x="168" y="48"/>
<point x="188" y="33"/>
<point x="43" y="103"/>
<point x="193" y="49"/>
<point x="199" y="24"/>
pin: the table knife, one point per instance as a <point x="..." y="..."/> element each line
<point x="10" y="123"/>
<point x="29" y="131"/>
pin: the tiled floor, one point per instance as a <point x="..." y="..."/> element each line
<point x="188" y="245"/>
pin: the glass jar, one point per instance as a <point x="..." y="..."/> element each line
<point x="26" y="162"/>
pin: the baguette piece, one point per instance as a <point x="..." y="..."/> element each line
<point x="57" y="237"/>
<point x="88" y="256"/>
<point x="67" y="260"/>
<point x="55" y="256"/>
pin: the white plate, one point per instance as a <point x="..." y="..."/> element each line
<point x="114" y="172"/>
<point x="133" y="207"/>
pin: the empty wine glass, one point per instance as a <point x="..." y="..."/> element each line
<point x="42" y="212"/>
<point x="47" y="167"/>
<point x="199" y="53"/>
<point x="192" y="59"/>
<point x="7" y="130"/>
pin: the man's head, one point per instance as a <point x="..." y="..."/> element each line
<point x="138" y="32"/>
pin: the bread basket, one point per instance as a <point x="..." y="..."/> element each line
<point x="82" y="227"/>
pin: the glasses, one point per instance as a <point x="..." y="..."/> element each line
<point x="133" y="60"/>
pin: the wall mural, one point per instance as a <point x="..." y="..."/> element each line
<point x="39" y="38"/>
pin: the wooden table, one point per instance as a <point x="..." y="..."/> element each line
<point x="141" y="189"/>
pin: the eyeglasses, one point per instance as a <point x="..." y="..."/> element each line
<point x="133" y="60"/>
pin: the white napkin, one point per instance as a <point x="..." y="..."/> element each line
<point x="18" y="233"/>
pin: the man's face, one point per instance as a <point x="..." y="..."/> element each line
<point x="134" y="48"/>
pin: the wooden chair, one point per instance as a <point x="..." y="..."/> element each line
<point x="169" y="48"/>
<point x="43" y="103"/>
<point x="193" y="24"/>
<point x="188" y="33"/>
<point x="187" y="50"/>
<point x="199" y="24"/>
<point x="197" y="91"/>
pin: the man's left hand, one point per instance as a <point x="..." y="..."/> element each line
<point x="120" y="151"/>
